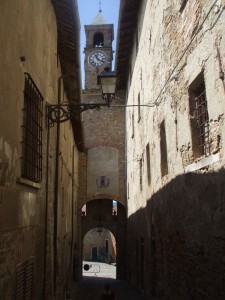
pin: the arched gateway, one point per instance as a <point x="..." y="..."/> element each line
<point x="100" y="213"/>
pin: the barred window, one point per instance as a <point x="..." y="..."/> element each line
<point x="32" y="132"/>
<point x="199" y="118"/>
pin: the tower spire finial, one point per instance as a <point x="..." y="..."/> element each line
<point x="100" y="4"/>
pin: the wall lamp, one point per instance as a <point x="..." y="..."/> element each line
<point x="59" y="113"/>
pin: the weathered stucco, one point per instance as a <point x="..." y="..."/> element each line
<point x="33" y="225"/>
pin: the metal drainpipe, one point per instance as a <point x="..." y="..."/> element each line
<point x="46" y="210"/>
<point x="56" y="192"/>
<point x="221" y="72"/>
<point x="125" y="187"/>
<point x="72" y="216"/>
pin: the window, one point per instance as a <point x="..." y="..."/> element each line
<point x="153" y="273"/>
<point x="163" y="149"/>
<point x="140" y="175"/>
<point x="142" y="262"/>
<point x="98" y="40"/>
<point x="148" y="164"/>
<point x="32" y="132"/>
<point x="183" y="4"/>
<point x="139" y="107"/>
<point x="137" y="252"/>
<point x="199" y="118"/>
<point x="107" y="246"/>
<point x="132" y="120"/>
<point x="114" y="207"/>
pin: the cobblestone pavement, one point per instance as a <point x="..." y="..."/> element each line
<point x="91" y="286"/>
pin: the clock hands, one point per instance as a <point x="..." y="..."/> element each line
<point x="99" y="58"/>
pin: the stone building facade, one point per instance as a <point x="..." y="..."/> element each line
<point x="38" y="163"/>
<point x="99" y="245"/>
<point x="175" y="93"/>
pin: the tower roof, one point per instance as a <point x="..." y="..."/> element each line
<point x="99" y="19"/>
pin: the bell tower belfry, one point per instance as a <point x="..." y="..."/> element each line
<point x="98" y="50"/>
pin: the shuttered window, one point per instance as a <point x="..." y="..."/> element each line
<point x="24" y="280"/>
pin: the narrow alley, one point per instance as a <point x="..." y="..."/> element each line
<point x="92" y="285"/>
<point x="112" y="149"/>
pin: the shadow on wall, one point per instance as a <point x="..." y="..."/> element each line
<point x="180" y="250"/>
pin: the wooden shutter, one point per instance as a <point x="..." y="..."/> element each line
<point x="24" y="280"/>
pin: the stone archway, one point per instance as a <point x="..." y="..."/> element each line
<point x="99" y="250"/>
<point x="99" y="213"/>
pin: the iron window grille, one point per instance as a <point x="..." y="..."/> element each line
<point x="202" y="117"/>
<point x="32" y="132"/>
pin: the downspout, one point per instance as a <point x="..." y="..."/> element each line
<point x="56" y="192"/>
<point x="221" y="72"/>
<point x="46" y="209"/>
<point x="126" y="195"/>
<point x="72" y="217"/>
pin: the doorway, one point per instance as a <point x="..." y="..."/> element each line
<point x="94" y="254"/>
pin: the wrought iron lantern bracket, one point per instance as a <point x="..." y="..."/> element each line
<point x="62" y="112"/>
<point x="59" y="113"/>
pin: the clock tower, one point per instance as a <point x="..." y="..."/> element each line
<point x="98" y="51"/>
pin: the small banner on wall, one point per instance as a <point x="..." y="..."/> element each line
<point x="102" y="181"/>
<point x="102" y="171"/>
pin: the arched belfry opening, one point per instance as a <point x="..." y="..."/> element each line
<point x="98" y="40"/>
<point x="103" y="236"/>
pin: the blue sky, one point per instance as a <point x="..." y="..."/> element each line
<point x="88" y="10"/>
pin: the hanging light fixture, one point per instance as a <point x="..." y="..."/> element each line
<point x="59" y="113"/>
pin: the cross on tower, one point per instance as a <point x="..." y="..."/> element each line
<point x="100" y="3"/>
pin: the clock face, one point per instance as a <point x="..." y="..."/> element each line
<point x="97" y="58"/>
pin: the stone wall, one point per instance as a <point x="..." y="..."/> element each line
<point x="95" y="239"/>
<point x="179" y="249"/>
<point x="105" y="128"/>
